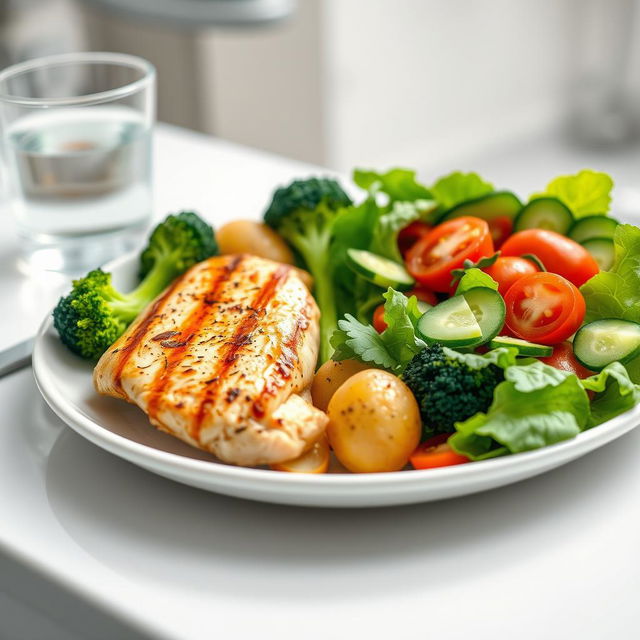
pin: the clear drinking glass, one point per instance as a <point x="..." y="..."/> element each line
<point x="76" y="150"/>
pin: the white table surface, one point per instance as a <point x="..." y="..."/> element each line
<point x="556" y="556"/>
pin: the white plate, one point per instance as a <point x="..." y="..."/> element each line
<point x="65" y="382"/>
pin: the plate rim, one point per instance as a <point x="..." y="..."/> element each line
<point x="92" y="430"/>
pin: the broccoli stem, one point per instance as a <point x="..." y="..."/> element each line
<point x="325" y="297"/>
<point x="314" y="249"/>
<point x="129" y="305"/>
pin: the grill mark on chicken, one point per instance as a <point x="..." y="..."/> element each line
<point x="190" y="327"/>
<point x="273" y="355"/>
<point x="284" y="365"/>
<point x="241" y="337"/>
<point x="125" y="352"/>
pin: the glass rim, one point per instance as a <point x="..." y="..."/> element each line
<point x="87" y="57"/>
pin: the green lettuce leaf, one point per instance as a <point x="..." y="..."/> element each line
<point x="534" y="407"/>
<point x="535" y="375"/>
<point x="502" y="357"/>
<point x="389" y="223"/>
<point x="473" y="278"/>
<point x="397" y="184"/>
<point x="394" y="347"/>
<point x="373" y="227"/>
<point x="458" y="187"/>
<point x="614" y="391"/>
<point x="616" y="293"/>
<point x="586" y="193"/>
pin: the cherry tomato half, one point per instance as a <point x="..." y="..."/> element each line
<point x="563" y="358"/>
<point x="431" y="259"/>
<point x="544" y="308"/>
<point x="435" y="452"/>
<point x="411" y="234"/>
<point x="558" y="254"/>
<point x="505" y="271"/>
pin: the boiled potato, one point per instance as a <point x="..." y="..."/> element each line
<point x="329" y="377"/>
<point x="247" y="236"/>
<point x="374" y="422"/>
<point x="315" y="460"/>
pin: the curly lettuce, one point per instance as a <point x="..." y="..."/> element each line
<point x="535" y="406"/>
<point x="586" y="193"/>
<point x="616" y="293"/>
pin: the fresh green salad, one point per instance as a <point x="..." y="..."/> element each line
<point x="458" y="321"/>
<point x="514" y="324"/>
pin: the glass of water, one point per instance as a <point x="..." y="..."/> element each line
<point x="76" y="150"/>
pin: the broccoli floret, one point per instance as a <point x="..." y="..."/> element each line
<point x="303" y="213"/>
<point x="447" y="390"/>
<point x="94" y="314"/>
<point x="180" y="241"/>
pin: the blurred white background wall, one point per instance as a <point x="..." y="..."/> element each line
<point x="420" y="83"/>
<point x="381" y="82"/>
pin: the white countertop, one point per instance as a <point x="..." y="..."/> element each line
<point x="556" y="556"/>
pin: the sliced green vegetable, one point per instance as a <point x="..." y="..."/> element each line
<point x="451" y="323"/>
<point x="544" y="213"/>
<point x="602" y="342"/>
<point x="379" y="270"/>
<point x="501" y="204"/>
<point x="524" y="347"/>
<point x="603" y="250"/>
<point x="489" y="310"/>
<point x="593" y="227"/>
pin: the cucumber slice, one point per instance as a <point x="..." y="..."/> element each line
<point x="593" y="227"/>
<point x="495" y="205"/>
<point x="423" y="306"/>
<point x="524" y="348"/>
<point x="451" y="323"/>
<point x="488" y="307"/>
<point x="379" y="270"/>
<point x="601" y="342"/>
<point x="603" y="250"/>
<point x="544" y="213"/>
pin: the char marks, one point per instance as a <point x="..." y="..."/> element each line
<point x="125" y="352"/>
<point x="241" y="337"/>
<point x="285" y="364"/>
<point x="189" y="328"/>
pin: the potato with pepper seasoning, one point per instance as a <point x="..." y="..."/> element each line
<point x="374" y="422"/>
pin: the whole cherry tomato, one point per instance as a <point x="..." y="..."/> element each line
<point x="563" y="358"/>
<point x="446" y="247"/>
<point x="505" y="271"/>
<point x="411" y="234"/>
<point x="558" y="254"/>
<point x="544" y="308"/>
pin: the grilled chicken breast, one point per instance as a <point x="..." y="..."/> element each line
<point x="223" y="360"/>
